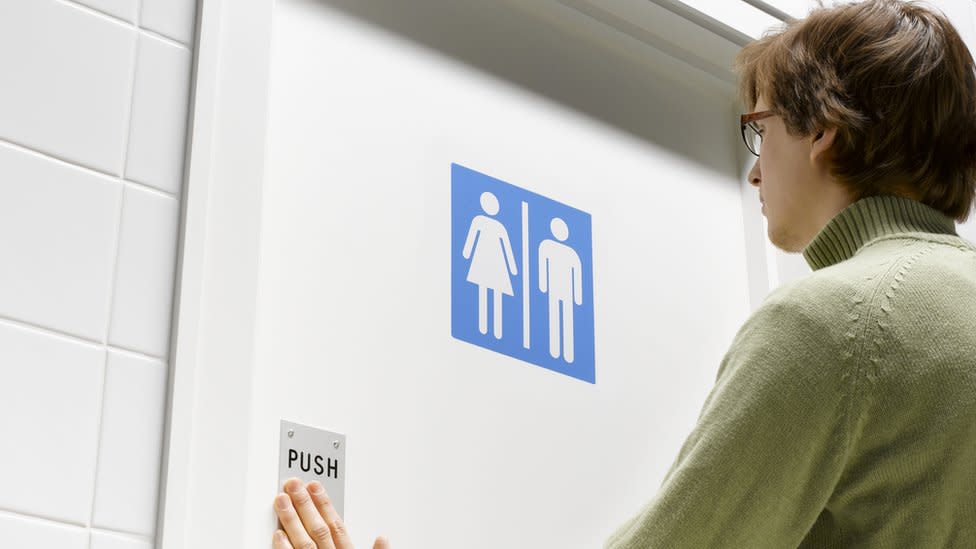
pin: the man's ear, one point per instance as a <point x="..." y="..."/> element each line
<point x="821" y="142"/>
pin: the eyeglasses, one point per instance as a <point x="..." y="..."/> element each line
<point x="751" y="134"/>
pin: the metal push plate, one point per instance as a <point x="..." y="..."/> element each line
<point x="314" y="454"/>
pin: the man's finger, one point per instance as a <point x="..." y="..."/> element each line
<point x="280" y="541"/>
<point x="381" y="543"/>
<point x="309" y="514"/>
<point x="328" y="511"/>
<point x="293" y="525"/>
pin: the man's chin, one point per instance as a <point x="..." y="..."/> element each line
<point x="785" y="242"/>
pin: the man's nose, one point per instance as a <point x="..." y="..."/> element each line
<point x="754" y="178"/>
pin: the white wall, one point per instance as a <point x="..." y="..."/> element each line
<point x="93" y="112"/>
<point x="444" y="437"/>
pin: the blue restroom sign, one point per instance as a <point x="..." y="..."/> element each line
<point x="521" y="274"/>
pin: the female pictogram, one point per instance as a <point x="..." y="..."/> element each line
<point x="490" y="251"/>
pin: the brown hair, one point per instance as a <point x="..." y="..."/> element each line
<point x="897" y="82"/>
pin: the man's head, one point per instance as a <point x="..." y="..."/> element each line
<point x="869" y="98"/>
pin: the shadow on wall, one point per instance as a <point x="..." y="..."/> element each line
<point x="633" y="89"/>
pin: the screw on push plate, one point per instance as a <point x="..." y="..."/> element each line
<point x="291" y="433"/>
<point x="335" y="444"/>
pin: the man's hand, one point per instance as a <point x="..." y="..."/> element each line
<point x="310" y="520"/>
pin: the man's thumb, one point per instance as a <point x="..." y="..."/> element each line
<point x="381" y="543"/>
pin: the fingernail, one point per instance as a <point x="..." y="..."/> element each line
<point x="314" y="487"/>
<point x="281" y="502"/>
<point x="279" y="536"/>
<point x="293" y="485"/>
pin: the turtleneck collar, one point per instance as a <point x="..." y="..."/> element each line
<point x="871" y="218"/>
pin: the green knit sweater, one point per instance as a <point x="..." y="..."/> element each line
<point x="844" y="413"/>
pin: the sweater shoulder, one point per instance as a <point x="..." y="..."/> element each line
<point x="822" y="295"/>
<point x="919" y="263"/>
<point x="799" y="324"/>
<point x="828" y="304"/>
<point x="889" y="280"/>
<point x="866" y="275"/>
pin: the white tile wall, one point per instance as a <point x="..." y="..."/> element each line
<point x="172" y="18"/>
<point x="123" y="9"/>
<point x="159" y="110"/>
<point x="105" y="540"/>
<point x="59" y="225"/>
<point x="50" y="390"/>
<point x="67" y="81"/>
<point x="131" y="444"/>
<point x="93" y="111"/>
<point x="27" y="533"/>
<point x="145" y="272"/>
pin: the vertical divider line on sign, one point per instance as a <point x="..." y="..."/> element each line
<point x="525" y="274"/>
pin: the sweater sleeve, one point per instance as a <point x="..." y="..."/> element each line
<point x="769" y="444"/>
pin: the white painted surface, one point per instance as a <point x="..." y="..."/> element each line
<point x="354" y="316"/>
<point x="740" y="16"/>
<point x="230" y="199"/>
<point x="962" y="14"/>
<point x="208" y="441"/>
<point x="758" y="255"/>
<point x="666" y="31"/>
<point x="968" y="230"/>
<point x="794" y="8"/>
<point x="88" y="253"/>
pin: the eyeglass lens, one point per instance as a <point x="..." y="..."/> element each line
<point x="753" y="139"/>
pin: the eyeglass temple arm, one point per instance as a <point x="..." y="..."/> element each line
<point x="746" y="118"/>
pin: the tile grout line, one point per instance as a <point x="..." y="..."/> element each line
<point x="147" y="188"/>
<point x="9" y="513"/>
<point x="24" y="324"/>
<point x="115" y="273"/>
<point x="120" y="21"/>
<point x="98" y="443"/>
<point x="162" y="37"/>
<point x="91" y="171"/>
<point x="130" y="535"/>
<point x="61" y="523"/>
<point x="53" y="332"/>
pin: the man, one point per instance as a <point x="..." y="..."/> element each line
<point x="844" y="413"/>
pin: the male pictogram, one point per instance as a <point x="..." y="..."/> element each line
<point x="560" y="275"/>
